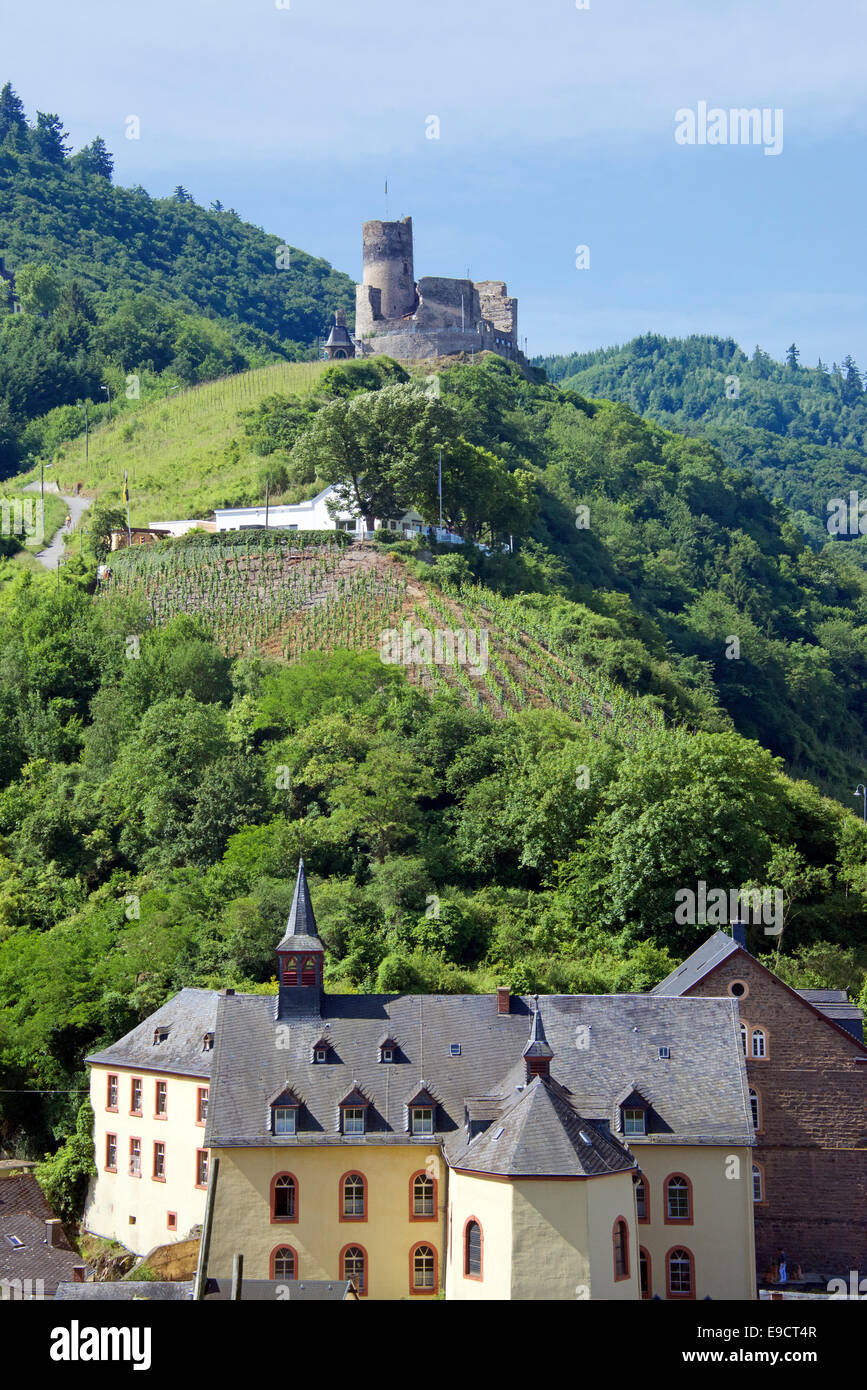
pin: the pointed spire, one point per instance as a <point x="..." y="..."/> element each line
<point x="301" y="932"/>
<point x="538" y="1044"/>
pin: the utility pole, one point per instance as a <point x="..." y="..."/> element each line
<point x="266" y="503"/>
<point x="126" y="499"/>
<point x="440" y="489"/>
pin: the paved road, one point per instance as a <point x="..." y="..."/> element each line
<point x="50" y="557"/>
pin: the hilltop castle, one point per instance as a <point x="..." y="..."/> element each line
<point x="405" y="318"/>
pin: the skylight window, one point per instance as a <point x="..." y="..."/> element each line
<point x="15" y="1242"/>
<point x="499" y="1131"/>
<point x="585" y="1137"/>
<point x="664" y="1054"/>
<point x="454" y="1049"/>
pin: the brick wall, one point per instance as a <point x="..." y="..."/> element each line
<point x="812" y="1140"/>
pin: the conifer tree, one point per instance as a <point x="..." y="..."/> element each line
<point x="12" y="117"/>
<point x="94" y="159"/>
<point x="792" y="355"/>
<point x="48" y="138"/>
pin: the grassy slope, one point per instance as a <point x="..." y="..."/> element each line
<point x="178" y="451"/>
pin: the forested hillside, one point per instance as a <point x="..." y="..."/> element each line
<point x="800" y="431"/>
<point x="113" y="282"/>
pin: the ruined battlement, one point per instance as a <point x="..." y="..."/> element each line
<point x="437" y="315"/>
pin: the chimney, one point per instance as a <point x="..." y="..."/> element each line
<point x="504" y="1002"/>
<point x="739" y="934"/>
<point x="78" y="1273"/>
<point x="54" y="1231"/>
<point x="340" y="318"/>
<point x="227" y="993"/>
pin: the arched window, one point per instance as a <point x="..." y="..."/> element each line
<point x="679" y="1273"/>
<point x="758" y="1184"/>
<point x="678" y="1198"/>
<point x="423" y="1197"/>
<point x="644" y="1272"/>
<point x="284" y="1198"/>
<point x="353" y="1195"/>
<point x="744" y="1038"/>
<point x="620" y="1237"/>
<point x="754" y="1108"/>
<point x="642" y="1200"/>
<point x="760" y="1046"/>
<point x="290" y="970"/>
<point x="353" y="1265"/>
<point x="308" y="971"/>
<point x="284" y="1263"/>
<point x="423" y="1269"/>
<point x="473" y="1245"/>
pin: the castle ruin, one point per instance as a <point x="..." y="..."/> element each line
<point x="432" y="317"/>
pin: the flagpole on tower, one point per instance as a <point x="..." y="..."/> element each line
<point x="386" y="200"/>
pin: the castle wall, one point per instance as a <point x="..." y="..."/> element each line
<point x="496" y="306"/>
<point x="440" y="304"/>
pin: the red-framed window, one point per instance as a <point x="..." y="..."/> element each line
<point x="354" y="1266"/>
<point x="474" y="1249"/>
<point x="135" y="1089"/>
<point x="679" y="1273"/>
<point x="308" y="971"/>
<point x="620" y="1241"/>
<point x="353" y="1197"/>
<point x="201" y="1167"/>
<point x="284" y="1262"/>
<point x="423" y="1269"/>
<point x="171" y="1220"/>
<point x="422" y="1197"/>
<point x="678" y="1200"/>
<point x="159" y="1170"/>
<point x="111" y="1153"/>
<point x="645" y="1273"/>
<point x="284" y="1197"/>
<point x="202" y="1093"/>
<point x="161" y="1100"/>
<point x="111" y="1092"/>
<point x="135" y="1157"/>
<point x="642" y="1201"/>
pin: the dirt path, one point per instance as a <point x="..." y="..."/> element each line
<point x="50" y="557"/>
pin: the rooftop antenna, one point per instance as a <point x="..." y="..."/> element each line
<point x="386" y="200"/>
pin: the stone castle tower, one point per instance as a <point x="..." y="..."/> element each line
<point x="432" y="317"/>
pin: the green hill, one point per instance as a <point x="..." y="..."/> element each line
<point x="801" y="432"/>
<point x="115" y="282"/>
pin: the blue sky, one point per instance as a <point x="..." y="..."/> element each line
<point x="557" y="129"/>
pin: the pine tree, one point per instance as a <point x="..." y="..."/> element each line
<point x="792" y="355"/>
<point x="12" y="117"/>
<point x="94" y="159"/>
<point x="217" y="206"/>
<point x="48" y="138"/>
<point x="180" y="194"/>
<point x="853" y="388"/>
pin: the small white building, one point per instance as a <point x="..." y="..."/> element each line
<point x="180" y="528"/>
<point x="313" y="515"/>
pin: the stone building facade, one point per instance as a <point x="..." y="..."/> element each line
<point x="408" y="319"/>
<point x="807" y="1073"/>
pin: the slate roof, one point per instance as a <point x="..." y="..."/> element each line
<point x="539" y="1130"/>
<point x="834" y="1004"/>
<point x="295" y="1290"/>
<point x="22" y="1193"/>
<point x="600" y="1044"/>
<point x="35" y="1258"/>
<point x="709" y="955"/>
<point x="189" y="1015"/>
<point x="301" y="932"/>
<point x="126" y="1290"/>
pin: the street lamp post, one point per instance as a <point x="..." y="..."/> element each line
<point x="861" y="791"/>
<point x="107" y="390"/>
<point x="83" y="406"/>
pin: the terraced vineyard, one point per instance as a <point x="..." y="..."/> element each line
<point x="286" y="601"/>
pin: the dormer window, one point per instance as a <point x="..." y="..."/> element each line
<point x="353" y="1112"/>
<point x="208" y="1042"/>
<point x="631" y="1112"/>
<point x="322" y="1050"/>
<point x="422" y="1119"/>
<point x="160" y="1035"/>
<point x="634" y="1120"/>
<point x="284" y="1113"/>
<point x="387" y="1054"/>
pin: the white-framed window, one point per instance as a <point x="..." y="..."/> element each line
<point x="422" y="1119"/>
<point x="135" y="1158"/>
<point x="423" y="1195"/>
<point x="353" y="1195"/>
<point x="744" y="1038"/>
<point x="162" y="1098"/>
<point x="285" y="1119"/>
<point x="633" y="1120"/>
<point x="388" y="1054"/>
<point x="760" y="1045"/>
<point x="353" y="1119"/>
<point x="758" y="1186"/>
<point x="754" y="1107"/>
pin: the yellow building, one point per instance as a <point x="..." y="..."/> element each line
<point x="571" y="1147"/>
<point x="149" y="1093"/>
